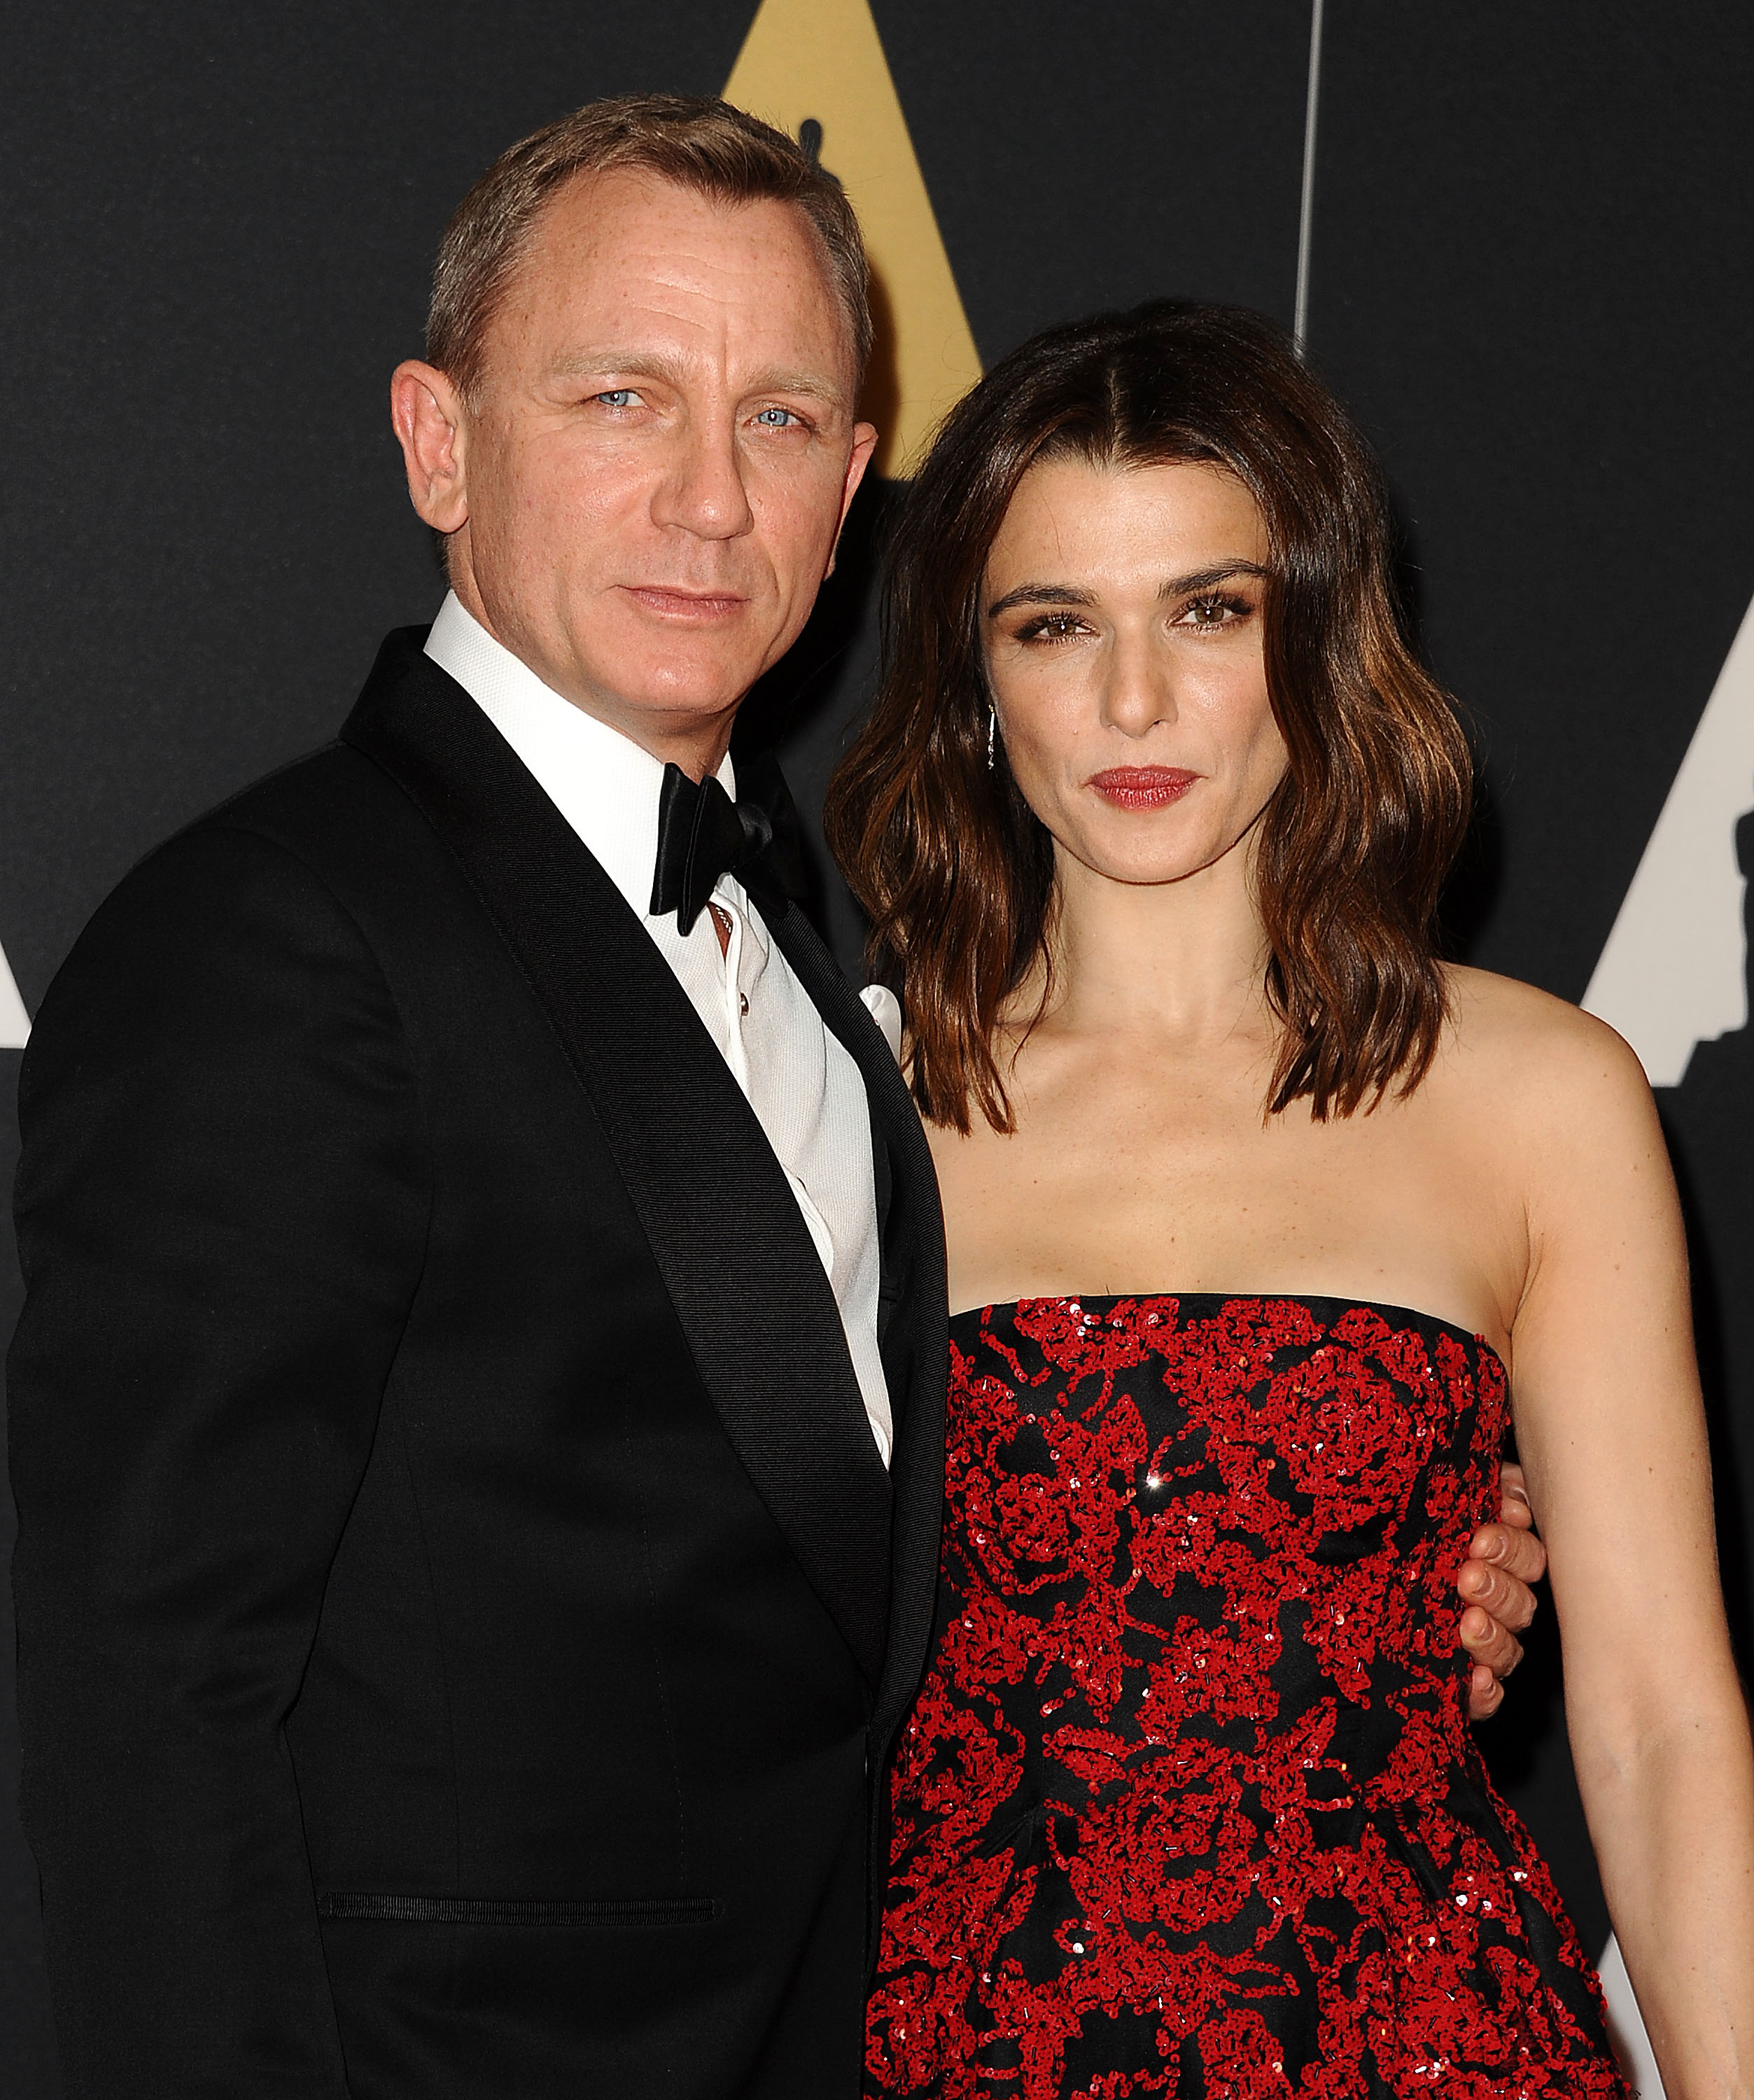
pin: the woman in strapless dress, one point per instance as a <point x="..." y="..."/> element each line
<point x="1266" y="1226"/>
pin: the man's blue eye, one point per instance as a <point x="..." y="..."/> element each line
<point x="617" y="397"/>
<point x="776" y="418"/>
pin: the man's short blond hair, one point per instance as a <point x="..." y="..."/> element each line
<point x="697" y="142"/>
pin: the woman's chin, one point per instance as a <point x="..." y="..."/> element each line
<point x="1130" y="856"/>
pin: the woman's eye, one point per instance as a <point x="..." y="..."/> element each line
<point x="1051" y="626"/>
<point x="1209" y="612"/>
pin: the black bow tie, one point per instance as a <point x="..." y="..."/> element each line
<point x="703" y="834"/>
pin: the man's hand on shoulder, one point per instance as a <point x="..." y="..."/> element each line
<point x="1506" y="1559"/>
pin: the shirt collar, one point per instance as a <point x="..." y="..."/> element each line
<point x="603" y="784"/>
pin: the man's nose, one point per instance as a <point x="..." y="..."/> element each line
<point x="1138" y="689"/>
<point x="703" y="491"/>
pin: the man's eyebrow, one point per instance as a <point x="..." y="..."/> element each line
<point x="1173" y="587"/>
<point x="623" y="363"/>
<point x="814" y="384"/>
<point x="653" y="365"/>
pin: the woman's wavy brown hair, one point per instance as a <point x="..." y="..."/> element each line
<point x="956" y="873"/>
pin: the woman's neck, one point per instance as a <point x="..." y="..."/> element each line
<point x="1183" y="962"/>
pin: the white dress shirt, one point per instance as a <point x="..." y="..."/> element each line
<point x="800" y="1081"/>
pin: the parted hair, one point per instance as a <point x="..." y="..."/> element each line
<point x="956" y="873"/>
<point x="698" y="142"/>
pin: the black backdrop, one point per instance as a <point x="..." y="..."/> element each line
<point x="1528" y="274"/>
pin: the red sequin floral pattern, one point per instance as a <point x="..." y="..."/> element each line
<point x="1189" y="1804"/>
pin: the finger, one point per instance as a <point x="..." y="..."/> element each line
<point x="1486" y="1694"/>
<point x="1519" y="1553"/>
<point x="1509" y="1601"/>
<point x="1489" y="1643"/>
<point x="1513" y="1496"/>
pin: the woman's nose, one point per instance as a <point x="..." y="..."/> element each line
<point x="1139" y="689"/>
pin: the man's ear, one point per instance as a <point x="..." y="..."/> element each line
<point x="427" y="412"/>
<point x="864" y="444"/>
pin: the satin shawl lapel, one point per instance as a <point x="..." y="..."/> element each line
<point x="916" y="1349"/>
<point x="735" y="1255"/>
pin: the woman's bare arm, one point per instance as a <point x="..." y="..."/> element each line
<point x="1611" y="1432"/>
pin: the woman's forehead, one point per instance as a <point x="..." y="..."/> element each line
<point x="1071" y="510"/>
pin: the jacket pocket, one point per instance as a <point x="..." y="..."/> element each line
<point x="632" y="1914"/>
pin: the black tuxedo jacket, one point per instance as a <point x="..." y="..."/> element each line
<point x="462" y="1612"/>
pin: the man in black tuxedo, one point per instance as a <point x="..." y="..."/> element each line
<point x="477" y="1412"/>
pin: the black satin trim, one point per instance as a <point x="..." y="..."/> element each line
<point x="741" y="1269"/>
<point x="646" y="1910"/>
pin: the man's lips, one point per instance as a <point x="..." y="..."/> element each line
<point x="670" y="603"/>
<point x="1143" y="787"/>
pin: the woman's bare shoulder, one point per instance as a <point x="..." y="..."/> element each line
<point x="1541" y="1067"/>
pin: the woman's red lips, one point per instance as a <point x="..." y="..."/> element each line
<point x="1143" y="787"/>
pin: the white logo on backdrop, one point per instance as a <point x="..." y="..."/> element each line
<point x="14" y="1023"/>
<point x="1637" y="2058"/>
<point x="1674" y="973"/>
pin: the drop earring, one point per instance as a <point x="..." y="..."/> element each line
<point x="992" y="736"/>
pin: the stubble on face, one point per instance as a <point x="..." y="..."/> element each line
<point x="659" y="455"/>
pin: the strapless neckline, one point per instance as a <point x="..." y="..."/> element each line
<point x="1108" y="1300"/>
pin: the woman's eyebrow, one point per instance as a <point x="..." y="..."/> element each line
<point x="1039" y="594"/>
<point x="1204" y="578"/>
<point x="1068" y="594"/>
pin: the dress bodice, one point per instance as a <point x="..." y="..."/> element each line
<point x="1286" y="1487"/>
<point x="1190" y="1786"/>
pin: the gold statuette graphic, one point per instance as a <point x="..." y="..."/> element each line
<point x="817" y="69"/>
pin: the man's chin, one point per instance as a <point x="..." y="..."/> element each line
<point x="684" y="681"/>
<point x="664" y="700"/>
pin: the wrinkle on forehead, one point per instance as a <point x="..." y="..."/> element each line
<point x="616" y="253"/>
<point x="648" y="362"/>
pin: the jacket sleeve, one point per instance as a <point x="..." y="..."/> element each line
<point x="222" y="1204"/>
